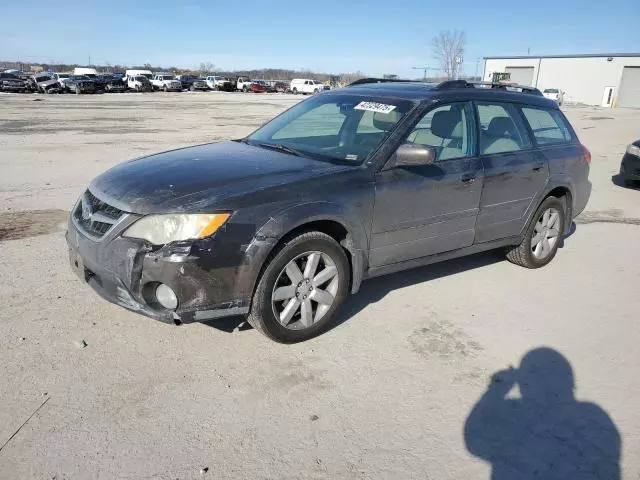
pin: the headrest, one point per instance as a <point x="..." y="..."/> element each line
<point x="447" y="124"/>
<point x="502" y="127"/>
<point x="385" y="121"/>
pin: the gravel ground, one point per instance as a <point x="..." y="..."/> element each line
<point x="387" y="393"/>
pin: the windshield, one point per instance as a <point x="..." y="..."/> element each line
<point x="141" y="78"/>
<point x="43" y="79"/>
<point x="166" y="77"/>
<point x="551" y="90"/>
<point x="63" y="75"/>
<point x="337" y="127"/>
<point x="147" y="75"/>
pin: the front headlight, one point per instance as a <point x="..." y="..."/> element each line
<point x="633" y="150"/>
<point x="161" y="229"/>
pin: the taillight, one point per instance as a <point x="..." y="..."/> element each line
<point x="586" y="155"/>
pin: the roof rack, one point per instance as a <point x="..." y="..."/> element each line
<point x="510" y="87"/>
<point x="362" y="81"/>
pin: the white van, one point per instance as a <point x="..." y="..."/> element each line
<point x="305" y="85"/>
<point x="92" y="72"/>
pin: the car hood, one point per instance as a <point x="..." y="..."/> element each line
<point x="195" y="178"/>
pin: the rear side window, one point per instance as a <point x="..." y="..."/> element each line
<point x="548" y="126"/>
<point x="501" y="128"/>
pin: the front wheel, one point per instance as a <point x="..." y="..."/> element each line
<point x="301" y="288"/>
<point x="542" y="237"/>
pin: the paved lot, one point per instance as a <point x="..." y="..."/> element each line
<point x="385" y="394"/>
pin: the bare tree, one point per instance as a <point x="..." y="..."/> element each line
<point x="207" y="67"/>
<point x="448" y="49"/>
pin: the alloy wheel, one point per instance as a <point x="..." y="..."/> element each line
<point x="305" y="290"/>
<point x="546" y="233"/>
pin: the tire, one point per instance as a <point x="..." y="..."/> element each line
<point x="192" y="88"/>
<point x="295" y="91"/>
<point x="244" y="89"/>
<point x="524" y="254"/>
<point x="78" y="91"/>
<point x="331" y="258"/>
<point x="165" y="89"/>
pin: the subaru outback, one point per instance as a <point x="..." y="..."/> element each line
<point x="350" y="184"/>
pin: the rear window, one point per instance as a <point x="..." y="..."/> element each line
<point x="549" y="126"/>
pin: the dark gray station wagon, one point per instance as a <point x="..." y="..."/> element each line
<point x="350" y="184"/>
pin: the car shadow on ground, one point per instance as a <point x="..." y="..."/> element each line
<point x="376" y="289"/>
<point x="529" y="425"/>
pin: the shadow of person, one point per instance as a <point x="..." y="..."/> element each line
<point x="546" y="433"/>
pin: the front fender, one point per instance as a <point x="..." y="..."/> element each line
<point x="287" y="220"/>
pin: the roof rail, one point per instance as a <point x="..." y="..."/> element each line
<point x="363" y="81"/>
<point x="511" y="87"/>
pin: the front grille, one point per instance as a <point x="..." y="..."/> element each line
<point x="95" y="216"/>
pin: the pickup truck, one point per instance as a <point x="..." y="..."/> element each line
<point x="12" y="83"/>
<point x="166" y="82"/>
<point x="139" y="83"/>
<point x="244" y="84"/>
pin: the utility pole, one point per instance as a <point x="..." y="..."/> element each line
<point x="424" y="69"/>
<point x="89" y="60"/>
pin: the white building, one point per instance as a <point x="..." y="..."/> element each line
<point x="607" y="79"/>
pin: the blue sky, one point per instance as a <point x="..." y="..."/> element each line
<point x="375" y="37"/>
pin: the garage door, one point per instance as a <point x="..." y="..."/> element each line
<point x="521" y="75"/>
<point x="629" y="95"/>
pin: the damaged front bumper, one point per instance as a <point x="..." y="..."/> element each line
<point x="125" y="271"/>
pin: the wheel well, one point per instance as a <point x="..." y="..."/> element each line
<point x="334" y="229"/>
<point x="564" y="194"/>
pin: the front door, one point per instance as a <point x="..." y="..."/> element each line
<point x="428" y="209"/>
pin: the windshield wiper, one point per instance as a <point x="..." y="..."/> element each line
<point x="283" y="148"/>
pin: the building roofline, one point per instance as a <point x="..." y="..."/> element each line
<point x="577" y="55"/>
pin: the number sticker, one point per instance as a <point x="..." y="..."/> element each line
<point x="375" y="107"/>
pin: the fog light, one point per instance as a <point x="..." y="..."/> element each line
<point x="166" y="297"/>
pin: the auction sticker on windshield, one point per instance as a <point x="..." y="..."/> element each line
<point x="375" y="107"/>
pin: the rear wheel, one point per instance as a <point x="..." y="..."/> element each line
<point x="295" y="91"/>
<point x="542" y="237"/>
<point x="78" y="91"/>
<point x="302" y="286"/>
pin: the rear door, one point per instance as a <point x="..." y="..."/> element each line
<point x="429" y="209"/>
<point x="515" y="171"/>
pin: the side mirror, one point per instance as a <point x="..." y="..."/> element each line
<point x="413" y="155"/>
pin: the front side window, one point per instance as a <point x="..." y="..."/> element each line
<point x="548" y="126"/>
<point x="342" y="128"/>
<point x="447" y="129"/>
<point x="501" y="129"/>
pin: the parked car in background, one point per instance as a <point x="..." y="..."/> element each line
<point x="554" y="94"/>
<point x="220" y="83"/>
<point x="281" y="87"/>
<point x="166" y="82"/>
<point x="306" y="86"/>
<point x="135" y="73"/>
<point x="186" y="80"/>
<point x="113" y="83"/>
<point x="12" y="83"/>
<point x="630" y="166"/>
<point x="80" y="84"/>
<point x="46" y="83"/>
<point x="257" y="87"/>
<point x="61" y="77"/>
<point x="243" y="83"/>
<point x="89" y="71"/>
<point x="139" y="83"/>
<point x="199" y="84"/>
